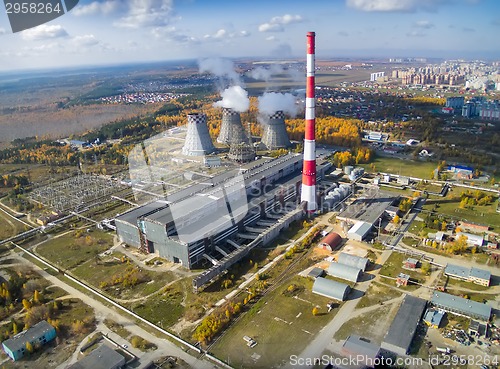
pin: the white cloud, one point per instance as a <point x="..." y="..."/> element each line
<point x="223" y="34"/>
<point x="84" y="41"/>
<point x="44" y="32"/>
<point x="415" y="34"/>
<point x="271" y="38"/>
<point x="170" y="33"/>
<point x="147" y="13"/>
<point x="276" y="23"/>
<point x="393" y="5"/>
<point x="424" y="24"/>
<point x="97" y="7"/>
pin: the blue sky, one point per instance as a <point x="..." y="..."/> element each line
<point x="121" y="31"/>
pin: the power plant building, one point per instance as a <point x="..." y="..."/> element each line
<point x="275" y="135"/>
<point x="231" y="130"/>
<point x="331" y="289"/>
<point x="198" y="141"/>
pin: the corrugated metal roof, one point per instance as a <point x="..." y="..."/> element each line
<point x="353" y="260"/>
<point x="332" y="239"/>
<point x="343" y="271"/>
<point x="331" y="289"/>
<point x="461" y="305"/>
<point x="356" y="345"/>
<point x="479" y="273"/>
<point x="34" y="333"/>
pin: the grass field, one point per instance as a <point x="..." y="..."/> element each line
<point x="280" y="324"/>
<point x="9" y="226"/>
<point x="411" y="168"/>
<point x="394" y="265"/>
<point x="68" y="252"/>
<point x="486" y="215"/>
<point x="377" y="293"/>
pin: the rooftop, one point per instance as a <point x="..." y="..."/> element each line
<point x="356" y="345"/>
<point x="461" y="305"/>
<point x="368" y="210"/>
<point x="34" y="333"/>
<point x="102" y="357"/>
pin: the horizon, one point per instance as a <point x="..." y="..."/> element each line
<point x="113" y="32"/>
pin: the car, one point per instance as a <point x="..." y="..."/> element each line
<point x="125" y="346"/>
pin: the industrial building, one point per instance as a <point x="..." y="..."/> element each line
<point x="331" y="241"/>
<point x="360" y="347"/>
<point x="460" y="306"/>
<point x="359" y="231"/>
<point x="343" y="271"/>
<point x="102" y="357"/>
<point x="198" y="141"/>
<point x="275" y="135"/>
<point x="474" y="275"/>
<point x="38" y="335"/>
<point x="231" y="130"/>
<point x="472" y="239"/>
<point x="404" y="326"/>
<point x="433" y="318"/>
<point x="331" y="289"/>
<point x="353" y="261"/>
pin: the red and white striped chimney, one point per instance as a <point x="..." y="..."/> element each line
<point x="309" y="169"/>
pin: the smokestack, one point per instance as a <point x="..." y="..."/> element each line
<point x="275" y="135"/>
<point x="231" y="130"/>
<point x="309" y="169"/>
<point x="198" y="141"/>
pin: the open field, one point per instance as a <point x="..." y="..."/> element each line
<point x="394" y="265"/>
<point x="486" y="215"/>
<point x="69" y="252"/>
<point x="278" y="332"/>
<point x="9" y="226"/>
<point x="377" y="293"/>
<point x="411" y="168"/>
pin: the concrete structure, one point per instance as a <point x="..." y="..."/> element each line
<point x="455" y="102"/>
<point x="343" y="271"/>
<point x="38" y="335"/>
<point x="198" y="141"/>
<point x="474" y="275"/>
<point x="368" y="210"/>
<point x="433" y="318"/>
<point x="375" y="76"/>
<point x="359" y="231"/>
<point x="402" y="279"/>
<point x="358" y="347"/>
<point x="353" y="261"/>
<point x="331" y="241"/>
<point x="102" y="357"/>
<point x="241" y="153"/>
<point x="308" y="192"/>
<point x="275" y="135"/>
<point x="231" y="130"/>
<point x="460" y="306"/>
<point x="404" y="326"/>
<point x="331" y="289"/>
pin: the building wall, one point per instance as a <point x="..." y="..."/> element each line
<point x="128" y="233"/>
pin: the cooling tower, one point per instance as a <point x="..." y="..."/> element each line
<point x="198" y="141"/>
<point x="275" y="136"/>
<point x="231" y="130"/>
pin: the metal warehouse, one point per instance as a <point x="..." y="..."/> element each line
<point x="460" y="306"/>
<point x="353" y="260"/>
<point x="404" y="326"/>
<point x="331" y="289"/>
<point x="343" y="271"/>
<point x="359" y="231"/>
<point x="332" y="240"/>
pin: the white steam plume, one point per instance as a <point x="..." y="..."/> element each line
<point x="234" y="97"/>
<point x="222" y="68"/>
<point x="271" y="102"/>
<point x="266" y="74"/>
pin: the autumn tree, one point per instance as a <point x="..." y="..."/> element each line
<point x="396" y="219"/>
<point x="315" y="311"/>
<point x="29" y="347"/>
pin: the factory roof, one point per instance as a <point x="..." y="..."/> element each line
<point x="356" y="345"/>
<point x="479" y="273"/>
<point x="102" y="357"/>
<point x="316" y="272"/>
<point x="343" y="271"/>
<point x="30" y="335"/>
<point x="367" y="210"/>
<point x="132" y="215"/>
<point x="456" y="271"/>
<point x="332" y="289"/>
<point x="433" y="317"/>
<point x="332" y="239"/>
<point x="360" y="229"/>
<point x="474" y="239"/>
<point x="353" y="261"/>
<point x="405" y="322"/>
<point x="461" y="306"/>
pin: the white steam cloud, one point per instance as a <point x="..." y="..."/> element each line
<point x="266" y="74"/>
<point x="222" y="68"/>
<point x="271" y="102"/>
<point x="234" y="97"/>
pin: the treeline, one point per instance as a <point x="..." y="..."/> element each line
<point x="358" y="155"/>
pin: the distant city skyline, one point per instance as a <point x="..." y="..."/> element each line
<point x="128" y="31"/>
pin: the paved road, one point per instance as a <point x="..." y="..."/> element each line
<point x="102" y="311"/>
<point x="323" y="339"/>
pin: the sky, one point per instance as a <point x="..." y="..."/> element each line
<point x="126" y="31"/>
